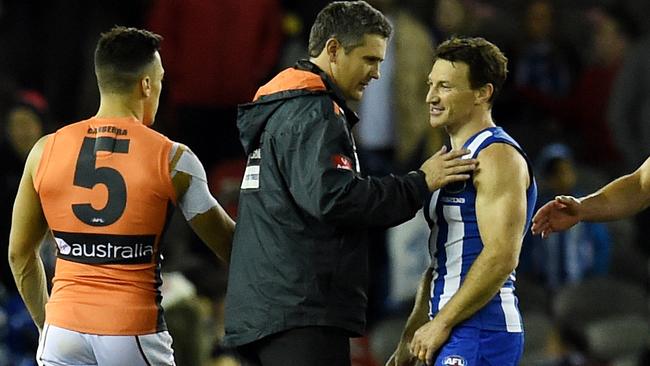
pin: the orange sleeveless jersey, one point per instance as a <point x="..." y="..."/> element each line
<point x="105" y="188"/>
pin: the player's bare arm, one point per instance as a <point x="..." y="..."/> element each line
<point x="28" y="227"/>
<point x="621" y="198"/>
<point x="204" y="214"/>
<point x="501" y="180"/>
<point x="419" y="316"/>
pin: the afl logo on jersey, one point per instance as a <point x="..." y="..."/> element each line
<point x="454" y="360"/>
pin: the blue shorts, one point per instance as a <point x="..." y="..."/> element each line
<point x="469" y="346"/>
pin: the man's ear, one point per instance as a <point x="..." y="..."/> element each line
<point x="145" y="85"/>
<point x="484" y="93"/>
<point x="332" y="47"/>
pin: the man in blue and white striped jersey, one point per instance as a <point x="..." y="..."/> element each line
<point x="466" y="311"/>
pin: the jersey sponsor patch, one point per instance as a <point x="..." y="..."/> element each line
<point x="104" y="249"/>
<point x="342" y="162"/>
<point x="454" y="360"/>
<point x="452" y="199"/>
<point x="252" y="173"/>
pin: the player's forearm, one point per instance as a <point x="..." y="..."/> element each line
<point x="484" y="279"/>
<point x="31" y="282"/>
<point x="216" y="229"/>
<point x="621" y="198"/>
<point x="420" y="312"/>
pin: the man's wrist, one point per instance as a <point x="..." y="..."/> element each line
<point x="421" y="181"/>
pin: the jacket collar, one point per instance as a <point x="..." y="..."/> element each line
<point x="331" y="88"/>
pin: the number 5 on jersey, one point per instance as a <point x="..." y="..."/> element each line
<point x="87" y="175"/>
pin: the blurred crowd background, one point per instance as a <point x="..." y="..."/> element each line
<point x="577" y="99"/>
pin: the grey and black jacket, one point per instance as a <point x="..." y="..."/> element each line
<point x="299" y="254"/>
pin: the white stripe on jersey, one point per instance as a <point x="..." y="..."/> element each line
<point x="433" y="238"/>
<point x="433" y="244"/>
<point x="432" y="206"/>
<point x="454" y="251"/>
<point x="476" y="143"/>
<point x="513" y="322"/>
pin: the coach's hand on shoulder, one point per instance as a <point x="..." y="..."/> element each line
<point x="447" y="167"/>
<point x="402" y="356"/>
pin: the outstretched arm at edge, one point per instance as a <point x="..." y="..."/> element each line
<point x="28" y="227"/>
<point x="621" y="198"/>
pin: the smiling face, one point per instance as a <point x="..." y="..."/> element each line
<point x="353" y="70"/>
<point x="451" y="98"/>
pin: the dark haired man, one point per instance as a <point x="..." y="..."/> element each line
<point x="466" y="310"/>
<point x="102" y="189"/>
<point x="298" y="272"/>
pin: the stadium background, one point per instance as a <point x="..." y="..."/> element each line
<point x="579" y="80"/>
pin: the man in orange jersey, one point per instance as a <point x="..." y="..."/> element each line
<point x="103" y="189"/>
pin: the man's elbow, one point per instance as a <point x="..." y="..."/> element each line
<point x="504" y="263"/>
<point x="332" y="210"/>
<point x="18" y="255"/>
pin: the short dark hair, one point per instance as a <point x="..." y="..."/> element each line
<point x="348" y="22"/>
<point x="487" y="64"/>
<point x="121" y="55"/>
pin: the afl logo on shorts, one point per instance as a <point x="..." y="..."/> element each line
<point x="454" y="361"/>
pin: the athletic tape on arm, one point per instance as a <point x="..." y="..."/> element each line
<point x="197" y="199"/>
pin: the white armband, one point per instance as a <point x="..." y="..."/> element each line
<point x="197" y="199"/>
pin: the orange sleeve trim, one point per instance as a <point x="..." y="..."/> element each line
<point x="166" y="165"/>
<point x="337" y="109"/>
<point x="291" y="79"/>
<point x="43" y="163"/>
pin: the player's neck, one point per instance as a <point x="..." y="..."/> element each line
<point x="119" y="106"/>
<point x="460" y="134"/>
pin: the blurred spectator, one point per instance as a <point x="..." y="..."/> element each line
<point x="571" y="256"/>
<point x="586" y="108"/>
<point x="629" y="107"/>
<point x="224" y="181"/>
<point x="396" y="135"/>
<point x="628" y="117"/>
<point x="19" y="333"/>
<point x="450" y="17"/>
<point x="540" y="69"/>
<point x="25" y="121"/>
<point x="583" y="112"/>
<point x="184" y="320"/>
<point x="541" y="66"/>
<point x="21" y="41"/>
<point x="216" y="55"/>
<point x="69" y="30"/>
<point x="297" y="14"/>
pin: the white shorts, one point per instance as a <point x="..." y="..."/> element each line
<point x="58" y="347"/>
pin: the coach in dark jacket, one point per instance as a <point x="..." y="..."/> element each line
<point x="299" y="271"/>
